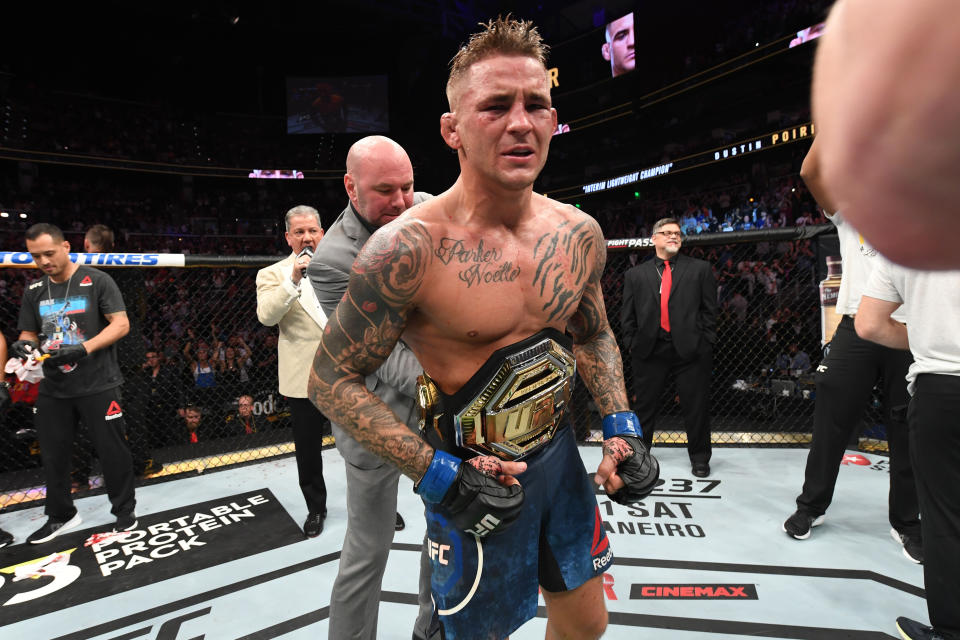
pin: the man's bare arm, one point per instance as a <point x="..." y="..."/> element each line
<point x="360" y="335"/>
<point x="118" y="325"/>
<point x="596" y="350"/>
<point x="873" y="323"/>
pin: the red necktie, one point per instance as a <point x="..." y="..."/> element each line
<point x="665" y="282"/>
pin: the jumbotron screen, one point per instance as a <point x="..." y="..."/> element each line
<point x="604" y="52"/>
<point x="352" y="104"/>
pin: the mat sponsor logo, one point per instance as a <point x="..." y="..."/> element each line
<point x="658" y="514"/>
<point x="855" y="458"/>
<point x="693" y="592"/>
<point x="85" y="565"/>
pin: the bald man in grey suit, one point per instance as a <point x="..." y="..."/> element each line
<point x="379" y="183"/>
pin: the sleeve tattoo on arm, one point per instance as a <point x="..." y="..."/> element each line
<point x="596" y="350"/>
<point x="361" y="334"/>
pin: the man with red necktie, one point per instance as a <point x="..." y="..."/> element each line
<point x="669" y="320"/>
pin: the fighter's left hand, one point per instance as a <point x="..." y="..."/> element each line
<point x="67" y="354"/>
<point x="628" y="472"/>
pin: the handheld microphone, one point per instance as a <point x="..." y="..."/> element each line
<point x="308" y="252"/>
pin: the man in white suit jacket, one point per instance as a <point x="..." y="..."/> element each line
<point x="281" y="300"/>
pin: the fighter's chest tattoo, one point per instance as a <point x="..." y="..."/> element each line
<point x="479" y="264"/>
<point x="562" y="257"/>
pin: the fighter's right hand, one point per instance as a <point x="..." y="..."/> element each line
<point x="23" y="349"/>
<point x="479" y="502"/>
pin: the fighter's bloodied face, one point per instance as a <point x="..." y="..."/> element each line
<point x="502" y="119"/>
<point x="380" y="186"/>
<point x="304" y="231"/>
<point x="51" y="257"/>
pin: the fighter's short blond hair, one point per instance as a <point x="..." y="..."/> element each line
<point x="503" y="36"/>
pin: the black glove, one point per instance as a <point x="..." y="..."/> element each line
<point x="67" y="354"/>
<point x="480" y="504"/>
<point x="23" y="348"/>
<point x="639" y="472"/>
<point x="477" y="503"/>
<point x="4" y="395"/>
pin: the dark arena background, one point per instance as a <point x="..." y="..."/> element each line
<point x="190" y="129"/>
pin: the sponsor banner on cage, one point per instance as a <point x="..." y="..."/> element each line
<point x="24" y="259"/>
<point x="623" y="243"/>
<point x="93" y="563"/>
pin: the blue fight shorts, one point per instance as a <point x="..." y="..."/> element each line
<point x="485" y="589"/>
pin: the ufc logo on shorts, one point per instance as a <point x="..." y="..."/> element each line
<point x="486" y="525"/>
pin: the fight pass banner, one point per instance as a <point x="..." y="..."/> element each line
<point x="86" y="565"/>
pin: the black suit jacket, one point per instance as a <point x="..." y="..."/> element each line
<point x="692" y="306"/>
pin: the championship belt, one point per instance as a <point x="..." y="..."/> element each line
<point x="516" y="411"/>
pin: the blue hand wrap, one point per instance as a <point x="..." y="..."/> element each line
<point x="440" y="475"/>
<point x="621" y="423"/>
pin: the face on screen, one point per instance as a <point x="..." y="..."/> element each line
<point x="618" y="48"/>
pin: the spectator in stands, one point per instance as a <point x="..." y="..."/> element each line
<point x="793" y="362"/>
<point x="98" y="239"/>
<point x="266" y="360"/>
<point x="244" y="420"/>
<point x="156" y="392"/>
<point x="193" y="429"/>
<point x="738" y="306"/>
<point x="233" y="374"/>
<point x="202" y="369"/>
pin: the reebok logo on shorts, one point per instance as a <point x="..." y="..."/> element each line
<point x="114" y="411"/>
<point x="600" y="547"/>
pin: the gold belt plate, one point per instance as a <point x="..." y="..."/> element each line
<point x="521" y="407"/>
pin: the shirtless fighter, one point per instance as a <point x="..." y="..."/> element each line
<point x="497" y="291"/>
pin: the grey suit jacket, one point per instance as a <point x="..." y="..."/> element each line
<point x="395" y="382"/>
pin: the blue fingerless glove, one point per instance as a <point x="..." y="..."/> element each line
<point x="440" y="476"/>
<point x="622" y="423"/>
